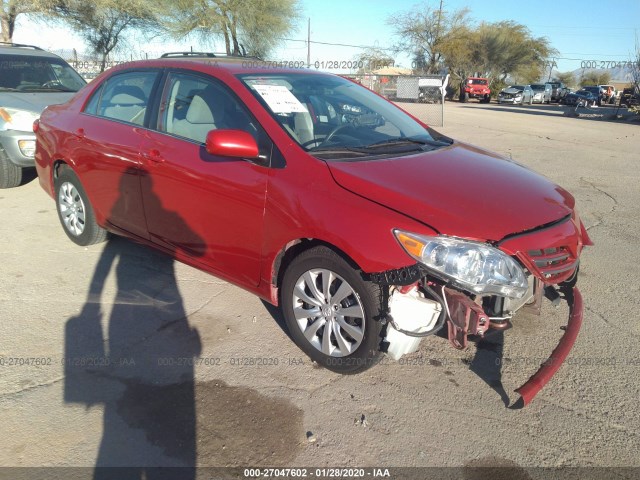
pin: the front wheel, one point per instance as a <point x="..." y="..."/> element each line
<point x="10" y="173"/>
<point x="332" y="313"/>
<point x="74" y="210"/>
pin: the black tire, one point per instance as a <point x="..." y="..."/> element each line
<point x="369" y="295"/>
<point x="10" y="173"/>
<point x="91" y="232"/>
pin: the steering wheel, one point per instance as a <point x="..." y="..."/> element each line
<point x="51" y="83"/>
<point x="332" y="134"/>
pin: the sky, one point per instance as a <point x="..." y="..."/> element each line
<point x="581" y="30"/>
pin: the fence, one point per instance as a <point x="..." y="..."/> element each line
<point x="422" y="96"/>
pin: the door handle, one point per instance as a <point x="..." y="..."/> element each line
<point x="153" y="155"/>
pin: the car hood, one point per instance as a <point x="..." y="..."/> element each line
<point x="511" y="91"/>
<point x="459" y="190"/>
<point x="34" y="102"/>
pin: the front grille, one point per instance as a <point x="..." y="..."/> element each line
<point x="553" y="262"/>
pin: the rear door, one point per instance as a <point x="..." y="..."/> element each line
<point x="107" y="147"/>
<point x="210" y="207"/>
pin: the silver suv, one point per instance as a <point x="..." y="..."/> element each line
<point x="30" y="80"/>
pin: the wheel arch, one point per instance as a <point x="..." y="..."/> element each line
<point x="56" y="167"/>
<point x="290" y="251"/>
<point x="295" y="248"/>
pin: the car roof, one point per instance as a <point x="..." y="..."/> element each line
<point x="230" y="64"/>
<point x="24" y="50"/>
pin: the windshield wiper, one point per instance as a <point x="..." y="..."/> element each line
<point x="49" y="89"/>
<point x="404" y="141"/>
<point x="336" y="149"/>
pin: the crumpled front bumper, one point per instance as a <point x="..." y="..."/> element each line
<point x="548" y="369"/>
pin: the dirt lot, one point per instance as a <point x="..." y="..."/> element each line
<point x="151" y="403"/>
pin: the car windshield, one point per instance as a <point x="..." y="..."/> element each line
<point x="516" y="87"/>
<point x="537" y="87"/>
<point x="332" y="117"/>
<point x="22" y="73"/>
<point x="476" y="81"/>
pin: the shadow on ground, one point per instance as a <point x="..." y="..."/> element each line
<point x="139" y="365"/>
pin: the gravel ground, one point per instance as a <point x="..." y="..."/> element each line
<point x="152" y="404"/>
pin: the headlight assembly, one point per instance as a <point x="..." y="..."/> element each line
<point x="476" y="267"/>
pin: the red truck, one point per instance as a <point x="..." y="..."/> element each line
<point x="474" y="87"/>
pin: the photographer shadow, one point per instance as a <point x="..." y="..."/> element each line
<point x="140" y="368"/>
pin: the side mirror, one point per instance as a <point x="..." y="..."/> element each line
<point x="231" y="143"/>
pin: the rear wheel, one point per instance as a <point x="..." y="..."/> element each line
<point x="10" y="173"/>
<point x="332" y="314"/>
<point x="74" y="210"/>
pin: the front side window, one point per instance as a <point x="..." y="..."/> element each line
<point x="332" y="117"/>
<point x="192" y="106"/>
<point x="25" y="73"/>
<point x="123" y="97"/>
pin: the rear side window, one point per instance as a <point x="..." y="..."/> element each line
<point x="124" y="97"/>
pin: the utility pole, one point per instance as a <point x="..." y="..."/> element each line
<point x="437" y="40"/>
<point x="309" y="42"/>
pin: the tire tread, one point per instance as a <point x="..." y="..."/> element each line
<point x="10" y="173"/>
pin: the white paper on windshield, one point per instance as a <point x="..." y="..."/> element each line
<point x="280" y="99"/>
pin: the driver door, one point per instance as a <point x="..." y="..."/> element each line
<point x="206" y="206"/>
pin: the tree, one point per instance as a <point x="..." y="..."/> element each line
<point x="595" y="77"/>
<point x="11" y="9"/>
<point x="568" y="78"/>
<point x="424" y="31"/>
<point x="103" y="22"/>
<point x="373" y="59"/>
<point x="252" y="27"/>
<point x="508" y="49"/>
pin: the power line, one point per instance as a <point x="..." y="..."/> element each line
<point x="337" y="44"/>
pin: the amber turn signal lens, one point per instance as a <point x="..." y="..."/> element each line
<point x="410" y="244"/>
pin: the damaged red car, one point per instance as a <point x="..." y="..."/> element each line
<point x="369" y="229"/>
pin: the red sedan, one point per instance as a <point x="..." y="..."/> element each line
<point x="369" y="229"/>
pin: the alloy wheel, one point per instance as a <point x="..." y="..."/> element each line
<point x="72" y="209"/>
<point x="328" y="312"/>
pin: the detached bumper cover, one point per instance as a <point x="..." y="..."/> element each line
<point x="548" y="369"/>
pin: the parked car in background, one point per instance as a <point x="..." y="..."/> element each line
<point x="558" y="91"/>
<point x="596" y="90"/>
<point x="516" y="94"/>
<point x="475" y="88"/>
<point x="630" y="97"/>
<point x="584" y="97"/>
<point x="30" y="79"/>
<point x="362" y="223"/>
<point x="541" y="92"/>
